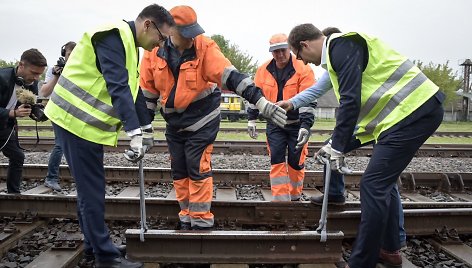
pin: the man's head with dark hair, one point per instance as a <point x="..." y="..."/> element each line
<point x="330" y="30"/>
<point x="34" y="57"/>
<point x="31" y="66"/>
<point x="306" y="42"/>
<point x="158" y="14"/>
<point x="153" y="26"/>
<point x="303" y="32"/>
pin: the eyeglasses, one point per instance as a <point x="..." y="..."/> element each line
<point x="298" y="53"/>
<point x="162" y="38"/>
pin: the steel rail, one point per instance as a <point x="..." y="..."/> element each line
<point x="259" y="148"/>
<point x="445" y="182"/>
<point x="463" y="134"/>
<point x="244" y="214"/>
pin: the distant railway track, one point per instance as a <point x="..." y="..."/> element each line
<point x="288" y="235"/>
<point x="260" y="147"/>
<point x="452" y="134"/>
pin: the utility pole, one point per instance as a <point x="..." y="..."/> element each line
<point x="466" y="90"/>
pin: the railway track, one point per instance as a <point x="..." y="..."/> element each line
<point x="260" y="147"/>
<point x="247" y="231"/>
<point x="451" y="134"/>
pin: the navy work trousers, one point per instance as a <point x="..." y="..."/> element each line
<point x="379" y="199"/>
<point x="85" y="161"/>
<point x="16" y="158"/>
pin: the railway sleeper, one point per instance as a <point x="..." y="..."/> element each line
<point x="258" y="247"/>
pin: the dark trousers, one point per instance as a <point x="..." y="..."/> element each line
<point x="85" y="161"/>
<point x="16" y="158"/>
<point x="379" y="205"/>
<point x="282" y="140"/>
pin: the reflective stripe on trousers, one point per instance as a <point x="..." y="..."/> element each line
<point x="279" y="182"/>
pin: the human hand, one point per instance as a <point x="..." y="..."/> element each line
<point x="22" y="110"/>
<point x="286" y="105"/>
<point x="272" y="112"/>
<point x="57" y="70"/>
<point x="251" y="129"/>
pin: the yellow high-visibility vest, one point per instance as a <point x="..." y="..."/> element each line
<point x="392" y="88"/>
<point x="80" y="102"/>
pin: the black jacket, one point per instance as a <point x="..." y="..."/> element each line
<point x="7" y="84"/>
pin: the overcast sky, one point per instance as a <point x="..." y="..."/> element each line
<point x="426" y="30"/>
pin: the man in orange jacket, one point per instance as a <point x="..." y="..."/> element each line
<point x="186" y="74"/>
<point x="281" y="78"/>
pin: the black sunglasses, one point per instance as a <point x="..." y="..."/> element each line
<point x="162" y="38"/>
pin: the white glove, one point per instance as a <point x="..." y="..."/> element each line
<point x="272" y="112"/>
<point x="336" y="158"/>
<point x="136" y="150"/>
<point x="148" y="139"/>
<point x="303" y="136"/>
<point x="251" y="129"/>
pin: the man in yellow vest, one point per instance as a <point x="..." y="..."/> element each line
<point x="96" y="94"/>
<point x="393" y="104"/>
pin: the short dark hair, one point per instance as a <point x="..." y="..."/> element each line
<point x="330" y="30"/>
<point x="34" y="57"/>
<point x="158" y="14"/>
<point x="303" y="32"/>
<point x="69" y="46"/>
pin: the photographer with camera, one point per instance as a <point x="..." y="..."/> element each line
<point x="13" y="80"/>
<point x="52" y="76"/>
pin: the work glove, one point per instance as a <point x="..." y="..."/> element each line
<point x="251" y="129"/>
<point x="272" y="112"/>
<point x="335" y="158"/>
<point x="303" y="136"/>
<point x="148" y="139"/>
<point x="136" y="150"/>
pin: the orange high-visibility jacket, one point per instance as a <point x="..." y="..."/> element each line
<point x="197" y="92"/>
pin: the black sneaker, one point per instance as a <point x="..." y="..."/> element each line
<point x="118" y="263"/>
<point x="332" y="200"/>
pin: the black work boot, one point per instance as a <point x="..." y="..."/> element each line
<point x="89" y="256"/>
<point x="332" y="200"/>
<point x="184" y="226"/>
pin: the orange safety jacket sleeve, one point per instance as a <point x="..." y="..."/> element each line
<point x="146" y="82"/>
<point x="218" y="69"/>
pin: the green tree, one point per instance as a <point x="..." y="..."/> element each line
<point x="242" y="61"/>
<point x="4" y="64"/>
<point x="443" y="76"/>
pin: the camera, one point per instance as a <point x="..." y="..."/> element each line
<point x="37" y="113"/>
<point x="57" y="70"/>
<point x="61" y="62"/>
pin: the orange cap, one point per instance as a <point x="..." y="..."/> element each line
<point x="186" y="20"/>
<point x="278" y="41"/>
